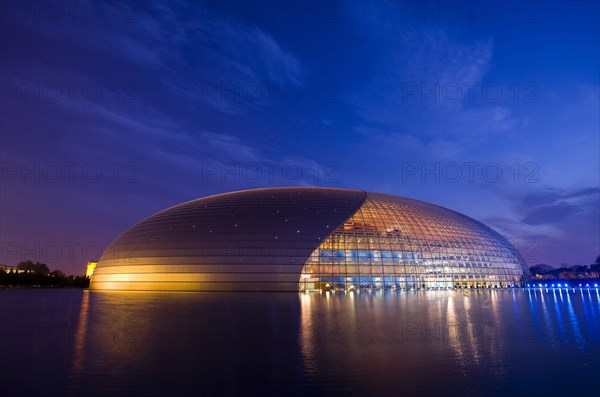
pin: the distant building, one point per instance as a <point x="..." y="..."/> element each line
<point x="7" y="269"/>
<point x="90" y="268"/>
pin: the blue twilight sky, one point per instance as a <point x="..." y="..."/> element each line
<point x="111" y="111"/>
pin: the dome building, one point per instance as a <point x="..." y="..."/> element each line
<point x="305" y="239"/>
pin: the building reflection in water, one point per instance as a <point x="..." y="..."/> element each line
<point x="557" y="316"/>
<point x="574" y="322"/>
<point x="79" y="345"/>
<point x="413" y="342"/>
<point x="376" y="342"/>
<point x="343" y="343"/>
<point x="188" y="343"/>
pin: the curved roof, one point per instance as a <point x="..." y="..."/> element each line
<point x="265" y="235"/>
<point x="263" y="239"/>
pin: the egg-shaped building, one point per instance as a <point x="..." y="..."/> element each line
<point x="303" y="239"/>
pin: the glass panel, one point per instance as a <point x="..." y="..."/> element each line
<point x="396" y="243"/>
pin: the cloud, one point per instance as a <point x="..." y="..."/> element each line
<point x="204" y="59"/>
<point x="551" y="224"/>
<point x="428" y="76"/>
<point x="553" y="206"/>
<point x="550" y="196"/>
<point x="423" y="147"/>
<point x="228" y="146"/>
<point x="551" y="214"/>
<point x="433" y="55"/>
<point x="236" y="67"/>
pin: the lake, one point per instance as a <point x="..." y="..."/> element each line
<point x="481" y="342"/>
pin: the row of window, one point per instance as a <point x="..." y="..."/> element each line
<point x="418" y="240"/>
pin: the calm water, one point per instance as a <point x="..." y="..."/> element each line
<point x="73" y="342"/>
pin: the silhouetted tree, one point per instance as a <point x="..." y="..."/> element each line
<point x="37" y="267"/>
<point x="58" y="273"/>
<point x="37" y="275"/>
<point x="595" y="267"/>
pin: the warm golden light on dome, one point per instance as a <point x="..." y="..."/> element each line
<point x="350" y="239"/>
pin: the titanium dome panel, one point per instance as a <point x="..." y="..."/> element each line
<point x="290" y="239"/>
<point x="254" y="240"/>
<point x="398" y="243"/>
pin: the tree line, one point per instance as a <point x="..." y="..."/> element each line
<point x="29" y="274"/>
<point x="579" y="272"/>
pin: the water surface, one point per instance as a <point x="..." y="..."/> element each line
<point x="495" y="342"/>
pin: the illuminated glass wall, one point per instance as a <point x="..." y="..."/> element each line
<point x="286" y="239"/>
<point x="394" y="243"/>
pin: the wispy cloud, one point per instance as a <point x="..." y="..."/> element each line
<point x="237" y="67"/>
<point x="419" y="68"/>
<point x="207" y="60"/>
<point x="555" y="223"/>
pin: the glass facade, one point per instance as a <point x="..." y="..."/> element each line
<point x="396" y="243"/>
<point x="290" y="239"/>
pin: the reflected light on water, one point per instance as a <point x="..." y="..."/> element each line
<point x="79" y="348"/>
<point x="81" y="333"/>
<point x="495" y="343"/>
<point x="574" y="322"/>
<point x="306" y="329"/>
